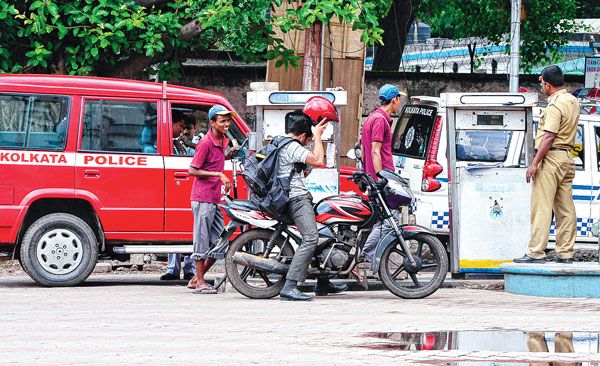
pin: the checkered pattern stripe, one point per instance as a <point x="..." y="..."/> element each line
<point x="440" y="220"/>
<point x="413" y="206"/>
<point x="584" y="226"/>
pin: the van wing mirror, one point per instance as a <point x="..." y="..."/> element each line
<point x="251" y="137"/>
<point x="357" y="151"/>
<point x="350" y="154"/>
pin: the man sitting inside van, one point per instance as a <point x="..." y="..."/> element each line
<point x="189" y="138"/>
<point x="178" y="126"/>
<point x="174" y="260"/>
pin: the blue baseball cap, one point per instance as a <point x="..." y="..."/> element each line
<point x="388" y="92"/>
<point x="220" y="111"/>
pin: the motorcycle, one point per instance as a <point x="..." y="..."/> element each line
<point x="410" y="260"/>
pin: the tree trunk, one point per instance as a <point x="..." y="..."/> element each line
<point x="132" y="67"/>
<point x="311" y="72"/>
<point x="395" y="27"/>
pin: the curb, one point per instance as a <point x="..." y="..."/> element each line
<point x="353" y="285"/>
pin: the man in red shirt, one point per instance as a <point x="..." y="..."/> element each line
<point x="376" y="137"/>
<point x="207" y="169"/>
<point x="376" y="145"/>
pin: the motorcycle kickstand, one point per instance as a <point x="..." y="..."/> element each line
<point x="218" y="282"/>
<point x="365" y="279"/>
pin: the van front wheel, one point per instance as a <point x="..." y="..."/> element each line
<point x="59" y="250"/>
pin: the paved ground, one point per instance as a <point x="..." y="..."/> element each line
<point x="135" y="319"/>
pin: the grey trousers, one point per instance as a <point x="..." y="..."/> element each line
<point x="300" y="210"/>
<point x="208" y="225"/>
<point x="377" y="232"/>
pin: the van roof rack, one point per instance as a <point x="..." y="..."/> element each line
<point x="425" y="99"/>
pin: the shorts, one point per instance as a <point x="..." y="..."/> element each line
<point x="208" y="226"/>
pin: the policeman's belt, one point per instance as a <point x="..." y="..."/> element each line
<point x="556" y="149"/>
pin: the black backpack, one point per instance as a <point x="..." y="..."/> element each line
<point x="260" y="174"/>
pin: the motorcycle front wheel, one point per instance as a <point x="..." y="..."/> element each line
<point x="409" y="282"/>
<point x="250" y="282"/>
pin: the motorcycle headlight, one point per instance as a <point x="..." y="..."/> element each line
<point x="397" y="194"/>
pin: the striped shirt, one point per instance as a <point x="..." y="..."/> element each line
<point x="289" y="155"/>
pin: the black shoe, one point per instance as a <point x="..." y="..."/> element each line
<point x="295" y="295"/>
<point x="528" y="259"/>
<point x="329" y="288"/>
<point x="168" y="277"/>
<point x="188" y="276"/>
<point x="564" y="260"/>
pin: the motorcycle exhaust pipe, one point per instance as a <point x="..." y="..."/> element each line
<point x="260" y="263"/>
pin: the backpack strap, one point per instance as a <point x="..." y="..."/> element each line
<point x="280" y="142"/>
<point x="298" y="167"/>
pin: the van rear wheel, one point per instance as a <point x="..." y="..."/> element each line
<point x="59" y="250"/>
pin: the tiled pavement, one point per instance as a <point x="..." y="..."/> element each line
<point x="137" y="320"/>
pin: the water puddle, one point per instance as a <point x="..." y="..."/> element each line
<point x="497" y="342"/>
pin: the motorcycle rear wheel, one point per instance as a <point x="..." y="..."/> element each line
<point x="410" y="284"/>
<point x="250" y="282"/>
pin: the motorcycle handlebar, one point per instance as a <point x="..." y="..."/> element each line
<point x="382" y="183"/>
<point x="358" y="177"/>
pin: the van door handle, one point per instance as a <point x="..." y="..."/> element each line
<point x="91" y="173"/>
<point x="181" y="175"/>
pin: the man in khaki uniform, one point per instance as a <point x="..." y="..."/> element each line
<point x="552" y="171"/>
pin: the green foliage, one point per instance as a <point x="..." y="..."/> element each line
<point x="542" y="32"/>
<point x="96" y="37"/>
<point x="588" y="9"/>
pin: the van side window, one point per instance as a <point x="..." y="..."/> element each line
<point x="482" y="145"/>
<point x="597" y="129"/>
<point x="119" y="126"/>
<point x="33" y="121"/>
<point x="578" y="149"/>
<point x="197" y="126"/>
<point x="413" y="130"/>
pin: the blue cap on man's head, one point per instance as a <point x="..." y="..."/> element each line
<point x="388" y="92"/>
<point x="220" y="110"/>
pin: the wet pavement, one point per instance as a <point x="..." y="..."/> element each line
<point x="564" y="347"/>
<point x="137" y="319"/>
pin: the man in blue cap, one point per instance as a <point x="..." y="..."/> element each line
<point x="207" y="169"/>
<point x="376" y="145"/>
<point x="376" y="137"/>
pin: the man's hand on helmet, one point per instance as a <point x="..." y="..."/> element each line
<point x="319" y="129"/>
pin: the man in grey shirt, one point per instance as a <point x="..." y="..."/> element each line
<point x="289" y="156"/>
<point x="300" y="208"/>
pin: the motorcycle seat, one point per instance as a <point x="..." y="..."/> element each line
<point x="245" y="205"/>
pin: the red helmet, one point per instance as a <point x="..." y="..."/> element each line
<point x="319" y="108"/>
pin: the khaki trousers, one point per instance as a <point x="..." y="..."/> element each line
<point x="563" y="343"/>
<point x="552" y="190"/>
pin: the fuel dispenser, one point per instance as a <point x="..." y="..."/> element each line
<point x="271" y="108"/>
<point x="489" y="198"/>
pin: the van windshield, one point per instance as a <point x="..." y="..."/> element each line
<point x="413" y="130"/>
<point x="482" y="145"/>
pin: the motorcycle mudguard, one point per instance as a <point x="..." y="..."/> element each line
<point x="408" y="231"/>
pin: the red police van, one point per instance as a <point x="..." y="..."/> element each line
<point x="87" y="164"/>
